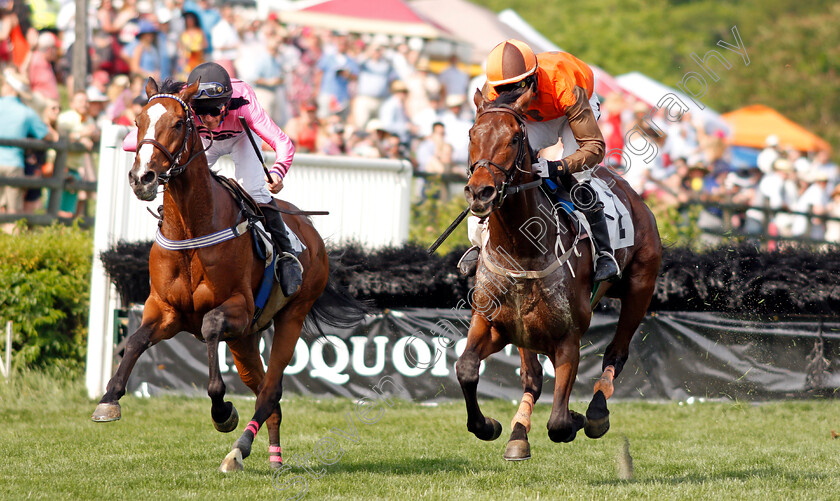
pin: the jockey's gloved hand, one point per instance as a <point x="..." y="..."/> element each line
<point x="552" y="169"/>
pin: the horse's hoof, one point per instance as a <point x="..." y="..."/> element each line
<point x="496" y="433"/>
<point x="106" y="412"/>
<point x="232" y="462"/>
<point x="518" y="450"/>
<point x="567" y="433"/>
<point x="597" y="417"/>
<point x="231" y="423"/>
<point x="491" y="431"/>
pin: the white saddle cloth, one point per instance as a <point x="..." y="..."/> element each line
<point x="619" y="222"/>
<point x="297" y="243"/>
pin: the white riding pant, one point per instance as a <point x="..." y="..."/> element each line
<point x="248" y="169"/>
<point x="542" y="135"/>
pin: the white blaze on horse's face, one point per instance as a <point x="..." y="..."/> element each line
<point x="145" y="152"/>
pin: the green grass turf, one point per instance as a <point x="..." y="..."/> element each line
<point x="166" y="448"/>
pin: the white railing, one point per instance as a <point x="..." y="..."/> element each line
<point x="368" y="201"/>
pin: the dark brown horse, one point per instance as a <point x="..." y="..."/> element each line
<point x="525" y="296"/>
<point x="209" y="291"/>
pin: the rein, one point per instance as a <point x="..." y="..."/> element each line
<point x="561" y="254"/>
<point x="518" y="161"/>
<point x="176" y="168"/>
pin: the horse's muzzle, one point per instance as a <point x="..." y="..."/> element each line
<point x="145" y="186"/>
<point x="480" y="198"/>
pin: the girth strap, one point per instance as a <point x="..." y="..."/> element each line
<point x="205" y="241"/>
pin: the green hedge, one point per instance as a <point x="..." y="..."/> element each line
<point x="45" y="291"/>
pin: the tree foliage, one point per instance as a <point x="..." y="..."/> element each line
<point x="793" y="47"/>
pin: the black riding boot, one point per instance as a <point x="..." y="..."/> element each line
<point x="606" y="267"/>
<point x="287" y="271"/>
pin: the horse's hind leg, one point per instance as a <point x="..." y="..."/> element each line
<point x="287" y="326"/>
<point x="518" y="447"/>
<point x="564" y="424"/>
<point x="230" y="318"/>
<point x="634" y="304"/>
<point x="482" y="341"/>
<point x="152" y="330"/>
<point x="249" y="364"/>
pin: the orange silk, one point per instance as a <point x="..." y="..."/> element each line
<point x="557" y="76"/>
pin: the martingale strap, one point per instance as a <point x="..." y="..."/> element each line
<point x="205" y="241"/>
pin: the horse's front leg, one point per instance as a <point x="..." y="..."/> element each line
<point x="482" y="341"/>
<point x="231" y="318"/>
<point x="563" y="424"/>
<point x="288" y="324"/>
<point x="158" y="324"/>
<point x="531" y="375"/>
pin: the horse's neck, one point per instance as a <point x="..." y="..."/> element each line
<point x="524" y="228"/>
<point x="188" y="202"/>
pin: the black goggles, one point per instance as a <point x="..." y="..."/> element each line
<point x="210" y="89"/>
<point x="213" y="111"/>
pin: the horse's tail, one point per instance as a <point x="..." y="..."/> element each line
<point x="336" y="306"/>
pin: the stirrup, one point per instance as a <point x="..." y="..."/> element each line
<point x="611" y="277"/>
<point x="288" y="275"/>
<point x="468" y="264"/>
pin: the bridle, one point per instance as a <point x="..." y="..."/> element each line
<point x="521" y="152"/>
<point x="175" y="167"/>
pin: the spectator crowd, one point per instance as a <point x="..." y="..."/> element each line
<point x="336" y="93"/>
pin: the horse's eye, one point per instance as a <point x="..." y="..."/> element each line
<point x="515" y="139"/>
<point x="179" y="124"/>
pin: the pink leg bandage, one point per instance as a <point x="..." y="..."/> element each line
<point x="254" y="427"/>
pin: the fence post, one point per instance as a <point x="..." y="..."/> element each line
<point x="59" y="172"/>
<point x="6" y="365"/>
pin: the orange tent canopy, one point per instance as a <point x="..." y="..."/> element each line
<point x="752" y="124"/>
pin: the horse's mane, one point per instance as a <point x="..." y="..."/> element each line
<point x="171" y="86"/>
<point x="508" y="97"/>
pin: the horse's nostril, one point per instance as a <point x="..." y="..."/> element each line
<point x="148" y="178"/>
<point x="487" y="194"/>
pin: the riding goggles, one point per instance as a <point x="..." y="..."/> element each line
<point x="210" y="89"/>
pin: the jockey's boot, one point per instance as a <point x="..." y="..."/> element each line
<point x="468" y="264"/>
<point x="287" y="271"/>
<point x="606" y="267"/>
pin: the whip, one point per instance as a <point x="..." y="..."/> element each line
<point x="448" y="231"/>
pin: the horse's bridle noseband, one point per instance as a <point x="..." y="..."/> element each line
<point x="521" y="152"/>
<point x="175" y="167"/>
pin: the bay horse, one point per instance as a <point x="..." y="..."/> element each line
<point x="543" y="304"/>
<point x="209" y="291"/>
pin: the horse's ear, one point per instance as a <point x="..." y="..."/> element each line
<point x="479" y="101"/>
<point x="521" y="104"/>
<point x="151" y="87"/>
<point x="189" y="90"/>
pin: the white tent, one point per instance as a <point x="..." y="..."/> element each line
<point x="475" y="24"/>
<point x="533" y="37"/>
<point x="651" y="92"/>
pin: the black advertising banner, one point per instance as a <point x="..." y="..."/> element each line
<point x="674" y="356"/>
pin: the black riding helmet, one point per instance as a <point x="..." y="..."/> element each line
<point x="214" y="91"/>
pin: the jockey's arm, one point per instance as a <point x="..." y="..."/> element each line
<point x="591" y="146"/>
<point x="264" y="127"/>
